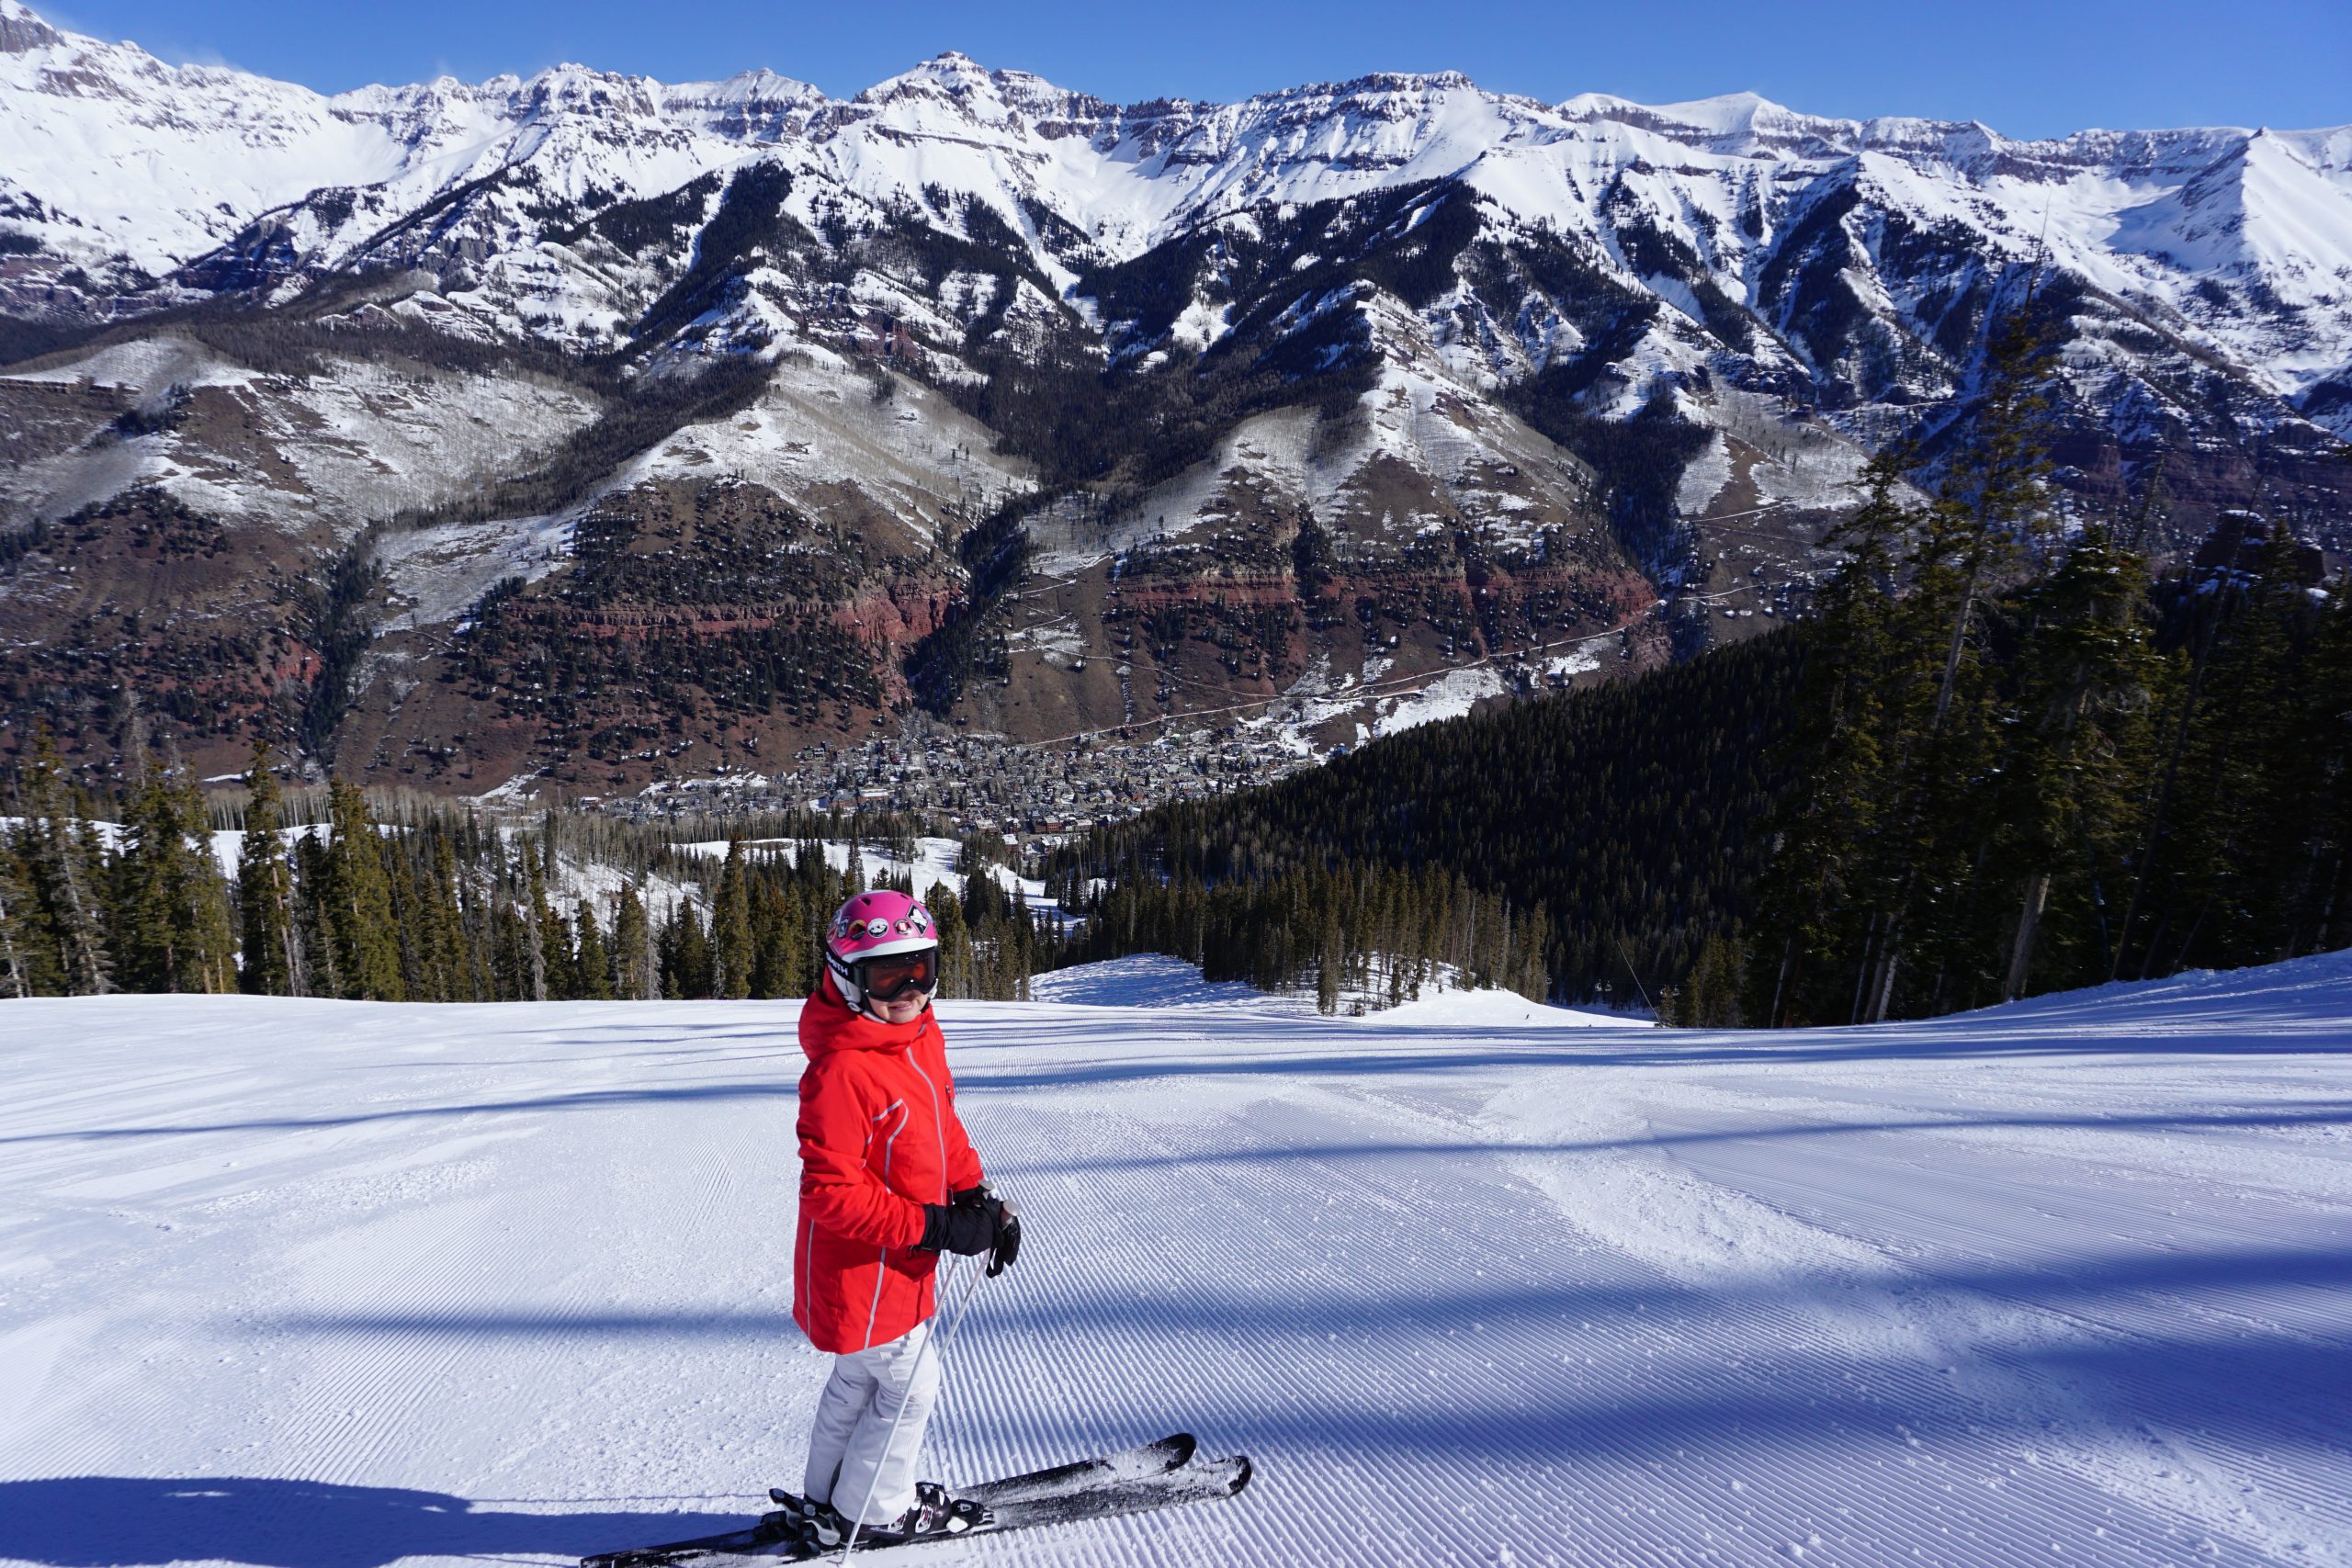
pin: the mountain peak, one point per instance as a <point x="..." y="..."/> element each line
<point x="1730" y="122"/>
<point x="22" y="31"/>
<point x="949" y="73"/>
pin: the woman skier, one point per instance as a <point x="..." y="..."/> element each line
<point x="888" y="1182"/>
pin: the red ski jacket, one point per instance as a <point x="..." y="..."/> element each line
<point x="879" y="1140"/>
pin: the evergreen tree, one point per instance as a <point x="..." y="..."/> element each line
<point x="443" y="966"/>
<point x="313" y="917"/>
<point x="1330" y="950"/>
<point x="16" y="929"/>
<point x="686" y="957"/>
<point x="2230" y="841"/>
<point x="1712" y="997"/>
<point x="2086" y="675"/>
<point x="271" y="947"/>
<point x="2317" y="901"/>
<point x="63" y="864"/>
<point x="592" y="967"/>
<point x="635" y="974"/>
<point x="1827" y="854"/>
<point x="356" y="902"/>
<point x="169" y="913"/>
<point x="550" y="950"/>
<point x="731" y="928"/>
<point x="955" y="977"/>
<point x="1990" y="506"/>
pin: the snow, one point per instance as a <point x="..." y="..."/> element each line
<point x="934" y="861"/>
<point x="1450" y="695"/>
<point x="1153" y="980"/>
<point x="352" y="442"/>
<point x="120" y="156"/>
<point x="294" y="1282"/>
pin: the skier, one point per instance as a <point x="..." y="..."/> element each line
<point x="888" y="1182"/>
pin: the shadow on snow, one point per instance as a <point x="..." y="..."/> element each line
<point x="107" y="1522"/>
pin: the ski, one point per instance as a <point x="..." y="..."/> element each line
<point x="1127" y="1464"/>
<point x="1073" y="1484"/>
<point x="765" y="1539"/>
<point x="1097" y="1497"/>
<point x="1198" y="1481"/>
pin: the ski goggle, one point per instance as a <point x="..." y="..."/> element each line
<point x="888" y="978"/>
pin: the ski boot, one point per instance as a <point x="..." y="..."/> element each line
<point x="934" y="1514"/>
<point x="813" y="1527"/>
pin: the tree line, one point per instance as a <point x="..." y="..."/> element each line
<point x="443" y="904"/>
<point x="1361" y="936"/>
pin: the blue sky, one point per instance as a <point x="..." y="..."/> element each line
<point x="2026" y="69"/>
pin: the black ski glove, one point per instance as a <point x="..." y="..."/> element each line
<point x="1008" y="1238"/>
<point x="956" y="1229"/>
<point x="974" y="1223"/>
<point x="1008" y="1223"/>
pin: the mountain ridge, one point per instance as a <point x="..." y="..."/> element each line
<point x="1064" y="415"/>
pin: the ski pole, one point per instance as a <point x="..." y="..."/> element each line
<point x="979" y="1273"/>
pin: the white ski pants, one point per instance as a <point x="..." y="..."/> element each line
<point x="852" y="1447"/>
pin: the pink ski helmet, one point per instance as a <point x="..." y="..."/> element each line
<point x="882" y="944"/>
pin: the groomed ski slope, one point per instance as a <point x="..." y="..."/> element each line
<point x="337" y="1285"/>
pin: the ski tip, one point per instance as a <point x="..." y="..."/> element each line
<point x="1243" y="1470"/>
<point x="1182" y="1445"/>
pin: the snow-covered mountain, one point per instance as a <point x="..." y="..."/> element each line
<point x="1486" y="375"/>
<point x="2239" y="240"/>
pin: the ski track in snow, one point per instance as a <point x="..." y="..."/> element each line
<point x="323" y="1283"/>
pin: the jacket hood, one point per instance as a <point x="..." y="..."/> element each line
<point x="826" y="1025"/>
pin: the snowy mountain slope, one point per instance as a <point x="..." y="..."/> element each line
<point x="2146" y="214"/>
<point x="1393" y="379"/>
<point x="305" y="1282"/>
<point x="340" y="448"/>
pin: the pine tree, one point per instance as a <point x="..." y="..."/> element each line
<point x="1329" y="949"/>
<point x="170" y="928"/>
<point x="731" y="927"/>
<point x="2318" y="904"/>
<point x="955" y="940"/>
<point x="19" y="941"/>
<point x="356" y="901"/>
<point x="2228" y="845"/>
<point x="636" y="977"/>
<point x="202" y="897"/>
<point x="62" y="862"/>
<point x="1712" y="998"/>
<point x="2087" y="673"/>
<point x="1990" y="506"/>
<point x="686" y="967"/>
<point x="592" y="968"/>
<point x="551" y="974"/>
<point x="1828" y="859"/>
<point x="445" y="973"/>
<point x="272" y="951"/>
<point x="313" y="916"/>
